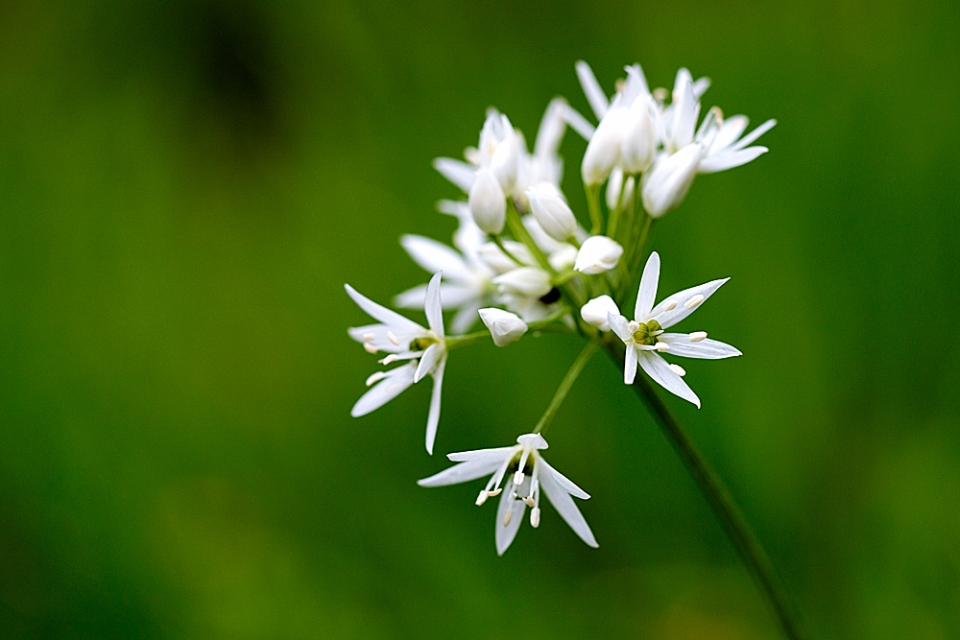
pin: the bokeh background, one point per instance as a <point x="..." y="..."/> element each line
<point x="186" y="185"/>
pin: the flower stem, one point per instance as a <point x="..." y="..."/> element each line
<point x="725" y="508"/>
<point x="565" y="386"/>
<point x="593" y="204"/>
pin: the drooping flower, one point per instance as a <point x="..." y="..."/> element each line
<point x="403" y="339"/>
<point x="523" y="472"/>
<point x="645" y="339"/>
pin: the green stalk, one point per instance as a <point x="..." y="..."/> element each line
<point x="724" y="506"/>
<point x="565" y="385"/>
<point x="593" y="204"/>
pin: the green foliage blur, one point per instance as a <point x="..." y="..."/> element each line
<point x="185" y="186"/>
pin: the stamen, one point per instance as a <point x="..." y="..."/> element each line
<point x="369" y="337"/>
<point x="529" y="502"/>
<point x="482" y="497"/>
<point x="535" y="517"/>
<point x="693" y="302"/>
<point x="507" y="516"/>
<point x="662" y="346"/>
<point x="495" y="492"/>
<point x="376" y="377"/>
<point x="697" y="336"/>
<point x="390" y="359"/>
<point x="677" y="369"/>
<point x="393" y="338"/>
<point x="670" y="306"/>
<point x="518" y="478"/>
<point x="369" y="348"/>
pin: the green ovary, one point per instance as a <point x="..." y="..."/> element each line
<point x="647" y="333"/>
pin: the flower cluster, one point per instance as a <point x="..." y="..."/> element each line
<point x="521" y="262"/>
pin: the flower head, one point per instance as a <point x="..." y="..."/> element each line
<point x="403" y="339"/>
<point x="522" y="471"/>
<point x="645" y="338"/>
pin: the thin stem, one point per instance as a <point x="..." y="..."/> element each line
<point x="520" y="233"/>
<point x="453" y="342"/>
<point x="565" y="385"/>
<point x="634" y="256"/>
<point x="497" y="240"/>
<point x="724" y="506"/>
<point x="593" y="204"/>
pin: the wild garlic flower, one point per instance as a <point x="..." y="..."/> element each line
<point x="523" y="472"/>
<point x="466" y="284"/>
<point x="597" y="312"/>
<point x="505" y="327"/>
<point x="645" y="338"/>
<point x="403" y="339"/>
<point x="598" y="254"/>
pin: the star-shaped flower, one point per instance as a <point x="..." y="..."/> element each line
<point x="646" y="340"/>
<point x="403" y="339"/>
<point x="528" y="473"/>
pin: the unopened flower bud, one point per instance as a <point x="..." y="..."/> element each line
<point x="638" y="145"/>
<point x="598" y="254"/>
<point x="488" y="204"/>
<point x="525" y="281"/>
<point x="505" y="327"/>
<point x="551" y="211"/>
<point x="603" y="150"/>
<point x="614" y="187"/>
<point x="598" y="310"/>
<point x="666" y="184"/>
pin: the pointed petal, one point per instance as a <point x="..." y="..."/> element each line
<point x="500" y="453"/>
<point x="563" y="503"/>
<point x="396" y="322"/>
<point x="435" y="256"/>
<point x="411" y="298"/>
<point x="428" y="361"/>
<point x="669" y="318"/>
<point x="504" y="535"/>
<point x="397" y="380"/>
<point x="591" y="88"/>
<point x="463" y="472"/>
<point x="552" y="128"/>
<point x="647" y="292"/>
<point x="630" y="365"/>
<point x="433" y="419"/>
<point x="565" y="483"/>
<point x="381" y="337"/>
<point x="619" y="326"/>
<point x="730" y="159"/>
<point x="756" y="133"/>
<point x="457" y="172"/>
<point x="729" y="132"/>
<point x="658" y="369"/>
<point x="432" y="306"/>
<point x="465" y="318"/>
<point x="578" y="123"/>
<point x="705" y="349"/>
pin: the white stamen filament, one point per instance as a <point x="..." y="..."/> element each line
<point x="677" y="369"/>
<point x="670" y="306"/>
<point x="697" y="336"/>
<point x="393" y="338"/>
<point x="376" y="377"/>
<point x="369" y="348"/>
<point x="518" y="476"/>
<point x="693" y="302"/>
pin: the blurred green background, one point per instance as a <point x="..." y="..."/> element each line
<point x="185" y="186"/>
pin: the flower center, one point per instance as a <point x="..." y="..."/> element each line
<point x="421" y="343"/>
<point x="647" y="333"/>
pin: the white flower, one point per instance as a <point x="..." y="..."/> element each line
<point x="531" y="282"/>
<point x="619" y="192"/>
<point x="597" y="311"/>
<point x="498" y="149"/>
<point x="598" y="254"/>
<point x="528" y="473"/>
<point x="724" y="149"/>
<point x="403" y="339"/>
<point x="488" y="202"/>
<point x="505" y="327"/>
<point x="645" y="338"/>
<point x="665" y="186"/>
<point x="552" y="211"/>
<point x="466" y="284"/>
<point x="544" y="165"/>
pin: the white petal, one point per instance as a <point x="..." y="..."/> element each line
<point x="729" y="159"/>
<point x="705" y="349"/>
<point x="500" y="453"/>
<point x="669" y="318"/>
<point x="396" y="322"/>
<point x="630" y="365"/>
<point x="619" y="326"/>
<point x="505" y="534"/>
<point x="685" y="115"/>
<point x="728" y="133"/>
<point x="591" y="88"/>
<point x="647" y="292"/>
<point x="465" y="318"/>
<point x="533" y="441"/>
<point x="397" y="380"/>
<point x="432" y="307"/>
<point x="658" y="369"/>
<point x="598" y="254"/>
<point x="756" y="133"/>
<point x="565" y="483"/>
<point x="505" y="327"/>
<point x="596" y="310"/>
<point x="552" y="127"/>
<point x="463" y="472"/>
<point x="379" y="335"/>
<point x="428" y="361"/>
<point x="435" y="256"/>
<point x="433" y="419"/>
<point x="578" y="123"/>
<point x="563" y="503"/>
<point x="457" y="172"/>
